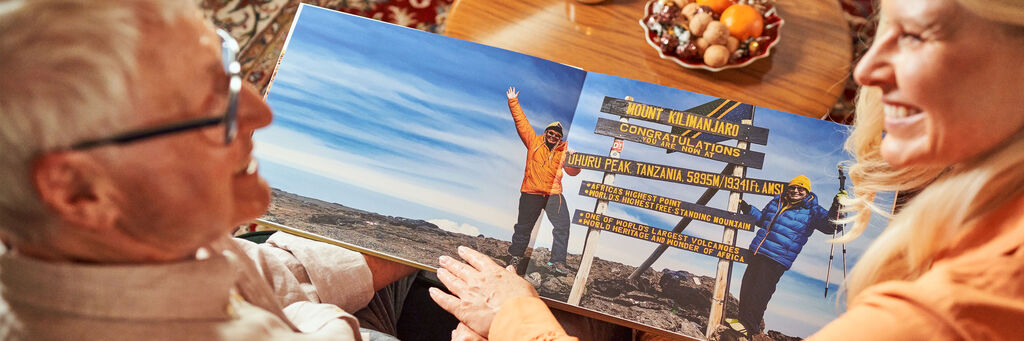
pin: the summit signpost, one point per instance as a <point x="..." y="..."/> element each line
<point x="693" y="133"/>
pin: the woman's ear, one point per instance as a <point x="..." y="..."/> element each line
<point x="78" y="188"/>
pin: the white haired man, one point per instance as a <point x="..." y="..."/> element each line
<point x="125" y="162"/>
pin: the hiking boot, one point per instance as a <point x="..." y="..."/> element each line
<point x="560" y="267"/>
<point x="737" y="326"/>
<point x="519" y="263"/>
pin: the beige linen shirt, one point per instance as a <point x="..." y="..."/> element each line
<point x="234" y="290"/>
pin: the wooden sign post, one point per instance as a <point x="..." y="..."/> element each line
<point x="732" y="178"/>
<point x="724" y="273"/>
<point x="580" y="282"/>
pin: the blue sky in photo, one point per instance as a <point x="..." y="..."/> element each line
<point x="406" y="123"/>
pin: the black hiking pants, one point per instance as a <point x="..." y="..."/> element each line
<point x="757" y="288"/>
<point x="530" y="206"/>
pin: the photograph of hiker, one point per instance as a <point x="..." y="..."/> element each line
<point x="785" y="224"/>
<point x="410" y="149"/>
<point x="542" y="188"/>
<point x="406" y="156"/>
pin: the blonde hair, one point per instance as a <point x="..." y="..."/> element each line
<point x="68" y="67"/>
<point x="952" y="199"/>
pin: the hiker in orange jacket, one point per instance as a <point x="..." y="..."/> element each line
<point x="542" y="187"/>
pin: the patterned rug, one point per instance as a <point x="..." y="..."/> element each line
<point x="262" y="25"/>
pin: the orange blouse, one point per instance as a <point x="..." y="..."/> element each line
<point x="973" y="291"/>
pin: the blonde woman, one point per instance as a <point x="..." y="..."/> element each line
<point x="942" y="111"/>
<point x="943" y="81"/>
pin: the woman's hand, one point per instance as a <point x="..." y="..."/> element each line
<point x="512" y="93"/>
<point x="479" y="288"/>
<point x="463" y="333"/>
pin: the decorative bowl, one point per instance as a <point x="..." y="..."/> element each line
<point x="769" y="38"/>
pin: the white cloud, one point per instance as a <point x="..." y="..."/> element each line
<point x="452" y="226"/>
<point x="374" y="180"/>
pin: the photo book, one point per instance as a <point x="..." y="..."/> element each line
<point x="646" y="206"/>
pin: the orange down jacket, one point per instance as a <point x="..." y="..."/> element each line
<point x="543" y="174"/>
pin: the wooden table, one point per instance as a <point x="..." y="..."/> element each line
<point x="804" y="74"/>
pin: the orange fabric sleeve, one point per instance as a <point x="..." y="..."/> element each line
<point x="888" y="314"/>
<point x="526" y="319"/>
<point x="523" y="126"/>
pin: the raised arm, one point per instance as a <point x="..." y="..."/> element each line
<point x="523" y="126"/>
<point x="823" y="219"/>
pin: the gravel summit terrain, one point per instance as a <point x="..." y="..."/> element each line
<point x="676" y="301"/>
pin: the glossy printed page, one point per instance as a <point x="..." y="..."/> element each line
<point x="401" y="142"/>
<point x="681" y="162"/>
<point x="406" y="144"/>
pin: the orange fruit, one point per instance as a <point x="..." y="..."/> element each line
<point x="743" y="21"/>
<point x="716" y="5"/>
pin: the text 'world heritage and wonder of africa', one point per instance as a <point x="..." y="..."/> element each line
<point x="660" y="236"/>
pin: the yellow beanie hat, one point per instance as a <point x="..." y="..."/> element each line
<point x="556" y="126"/>
<point x="801" y="181"/>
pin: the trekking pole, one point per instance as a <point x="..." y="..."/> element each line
<point x="844" y="258"/>
<point x="828" y="271"/>
<point x="831" y="252"/>
<point x="842" y="187"/>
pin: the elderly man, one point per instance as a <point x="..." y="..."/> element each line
<point x="125" y="150"/>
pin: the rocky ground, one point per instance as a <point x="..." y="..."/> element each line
<point x="677" y="301"/>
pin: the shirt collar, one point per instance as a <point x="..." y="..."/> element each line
<point x="182" y="290"/>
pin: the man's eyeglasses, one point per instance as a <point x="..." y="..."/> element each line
<point x="229" y="54"/>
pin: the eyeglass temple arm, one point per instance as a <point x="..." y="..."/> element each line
<point x="146" y="133"/>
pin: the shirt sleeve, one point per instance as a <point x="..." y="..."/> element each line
<point x="322" y="319"/>
<point x="523" y="126"/>
<point x="526" y="318"/>
<point x="300" y="269"/>
<point x="887" y="315"/>
<point x="756" y="213"/>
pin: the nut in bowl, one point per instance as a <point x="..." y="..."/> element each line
<point x="713" y="35"/>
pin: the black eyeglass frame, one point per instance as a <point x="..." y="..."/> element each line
<point x="233" y="69"/>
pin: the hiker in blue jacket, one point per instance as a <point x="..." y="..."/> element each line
<point x="786" y="222"/>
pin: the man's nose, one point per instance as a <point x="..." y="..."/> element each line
<point x="253" y="113"/>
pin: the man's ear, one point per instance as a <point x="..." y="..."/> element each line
<point x="77" y="187"/>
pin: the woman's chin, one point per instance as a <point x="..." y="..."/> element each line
<point x="901" y="153"/>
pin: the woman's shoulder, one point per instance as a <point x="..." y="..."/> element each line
<point x="974" y="289"/>
<point x="1000" y="232"/>
<point x="955" y="299"/>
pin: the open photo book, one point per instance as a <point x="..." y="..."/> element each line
<point x="642" y="205"/>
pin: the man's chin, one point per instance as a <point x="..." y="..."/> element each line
<point x="252" y="202"/>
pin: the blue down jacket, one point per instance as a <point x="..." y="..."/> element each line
<point x="785" y="228"/>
